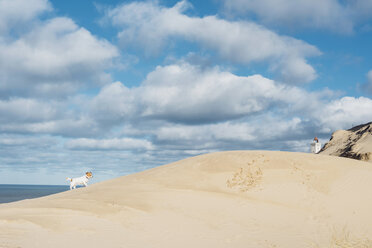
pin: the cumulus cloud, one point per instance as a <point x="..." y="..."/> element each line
<point x="186" y="107"/>
<point x="274" y="129"/>
<point x="65" y="126"/>
<point x="294" y="69"/>
<point x="344" y="113"/>
<point x="184" y="93"/>
<point x="231" y="134"/>
<point x="334" y="15"/>
<point x="20" y="140"/>
<point x="55" y="57"/>
<point x="150" y="26"/>
<point x="19" y="12"/>
<point x="26" y="110"/>
<point x="265" y="131"/>
<point x="109" y="144"/>
<point x="183" y="107"/>
<point x="45" y="116"/>
<point x="114" y="104"/>
<point x="200" y="135"/>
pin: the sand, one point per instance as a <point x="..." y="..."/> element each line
<point x="353" y="143"/>
<point x="227" y="199"/>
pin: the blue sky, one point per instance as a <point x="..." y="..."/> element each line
<point x="116" y="87"/>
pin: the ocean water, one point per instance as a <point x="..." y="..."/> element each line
<point x="16" y="192"/>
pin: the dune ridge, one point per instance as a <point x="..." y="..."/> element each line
<point x="226" y="199"/>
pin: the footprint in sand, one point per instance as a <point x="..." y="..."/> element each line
<point x="245" y="179"/>
<point x="305" y="176"/>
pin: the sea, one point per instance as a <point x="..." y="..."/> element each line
<point x="16" y="192"/>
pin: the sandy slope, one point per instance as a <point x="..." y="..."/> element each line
<point x="228" y="199"/>
<point x="352" y="143"/>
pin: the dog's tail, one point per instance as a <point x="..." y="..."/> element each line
<point x="68" y="179"/>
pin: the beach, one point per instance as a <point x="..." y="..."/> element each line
<point x="225" y="199"/>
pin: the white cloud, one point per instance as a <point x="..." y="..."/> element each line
<point x="109" y="144"/>
<point x="249" y="133"/>
<point x="273" y="129"/>
<point x="181" y="108"/>
<point x="26" y="110"/>
<point x="344" y="113"/>
<point x="202" y="134"/>
<point x="40" y="116"/>
<point x="293" y="70"/>
<point x="323" y="14"/>
<point x="334" y="15"/>
<point x="55" y="57"/>
<point x="114" y="103"/>
<point x="184" y="107"/>
<point x="22" y="141"/>
<point x="34" y="117"/>
<point x="150" y="26"/>
<point x="14" y="13"/>
<point x="183" y="93"/>
<point x="72" y="127"/>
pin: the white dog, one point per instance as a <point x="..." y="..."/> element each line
<point x="80" y="180"/>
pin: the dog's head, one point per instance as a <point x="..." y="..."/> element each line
<point x="89" y="174"/>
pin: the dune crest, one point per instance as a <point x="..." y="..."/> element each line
<point x="226" y="199"/>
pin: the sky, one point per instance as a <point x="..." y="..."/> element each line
<point x="117" y="87"/>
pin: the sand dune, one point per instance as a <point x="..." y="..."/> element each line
<point x="353" y="143"/>
<point x="227" y="199"/>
